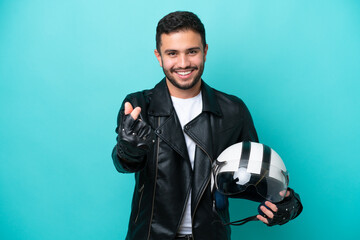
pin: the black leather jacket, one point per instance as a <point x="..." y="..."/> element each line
<point x="165" y="178"/>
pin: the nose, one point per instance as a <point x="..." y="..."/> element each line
<point x="184" y="61"/>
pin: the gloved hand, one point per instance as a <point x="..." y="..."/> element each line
<point x="135" y="136"/>
<point x="282" y="212"/>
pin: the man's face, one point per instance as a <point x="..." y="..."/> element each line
<point x="182" y="57"/>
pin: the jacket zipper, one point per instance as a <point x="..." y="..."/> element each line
<point x="156" y="172"/>
<point x="141" y="191"/>
<point x="202" y="193"/>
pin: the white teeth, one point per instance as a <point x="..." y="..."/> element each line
<point x="183" y="73"/>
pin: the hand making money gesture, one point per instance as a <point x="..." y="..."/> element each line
<point x="134" y="130"/>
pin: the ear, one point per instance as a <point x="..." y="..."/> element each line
<point x="158" y="56"/>
<point x="205" y="52"/>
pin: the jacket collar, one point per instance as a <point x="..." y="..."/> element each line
<point x="161" y="104"/>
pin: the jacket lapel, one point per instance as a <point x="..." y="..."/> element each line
<point x="199" y="130"/>
<point x="170" y="129"/>
<point x="170" y="132"/>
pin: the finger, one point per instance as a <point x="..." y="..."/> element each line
<point x="287" y="193"/>
<point x="267" y="212"/>
<point x="282" y="193"/>
<point x="141" y="128"/>
<point x="272" y="206"/>
<point x="128" y="108"/>
<point x="261" y="218"/>
<point x="135" y="113"/>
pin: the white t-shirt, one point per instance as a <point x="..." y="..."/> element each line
<point x="186" y="110"/>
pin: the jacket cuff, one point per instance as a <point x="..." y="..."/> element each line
<point x="298" y="207"/>
<point x="126" y="161"/>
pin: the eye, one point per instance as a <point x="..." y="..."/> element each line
<point x="171" y="54"/>
<point x="193" y="52"/>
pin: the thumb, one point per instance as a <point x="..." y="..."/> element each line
<point x="128" y="108"/>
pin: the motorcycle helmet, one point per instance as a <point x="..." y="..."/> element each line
<point x="246" y="168"/>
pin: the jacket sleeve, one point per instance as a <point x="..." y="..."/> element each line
<point x="126" y="158"/>
<point x="248" y="132"/>
<point x="298" y="206"/>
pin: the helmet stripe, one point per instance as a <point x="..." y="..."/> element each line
<point x="245" y="154"/>
<point x="265" y="166"/>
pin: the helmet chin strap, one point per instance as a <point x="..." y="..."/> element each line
<point x="220" y="202"/>
<point x="242" y="221"/>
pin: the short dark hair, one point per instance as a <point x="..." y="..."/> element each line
<point x="179" y="20"/>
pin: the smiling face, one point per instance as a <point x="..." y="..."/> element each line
<point x="182" y="57"/>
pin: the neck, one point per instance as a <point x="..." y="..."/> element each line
<point x="180" y="93"/>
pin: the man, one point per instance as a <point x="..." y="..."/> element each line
<point x="169" y="137"/>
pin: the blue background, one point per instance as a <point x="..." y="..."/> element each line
<point x="65" y="67"/>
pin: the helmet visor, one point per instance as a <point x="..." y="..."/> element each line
<point x="271" y="184"/>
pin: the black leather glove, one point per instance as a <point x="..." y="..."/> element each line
<point x="134" y="140"/>
<point x="289" y="208"/>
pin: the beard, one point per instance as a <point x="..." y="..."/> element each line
<point x="169" y="75"/>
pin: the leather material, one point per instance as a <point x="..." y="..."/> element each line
<point x="137" y="132"/>
<point x="164" y="177"/>
<point x="288" y="209"/>
<point x="135" y="138"/>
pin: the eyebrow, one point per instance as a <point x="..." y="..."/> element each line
<point x="170" y="50"/>
<point x="189" y="49"/>
<point x="194" y="48"/>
